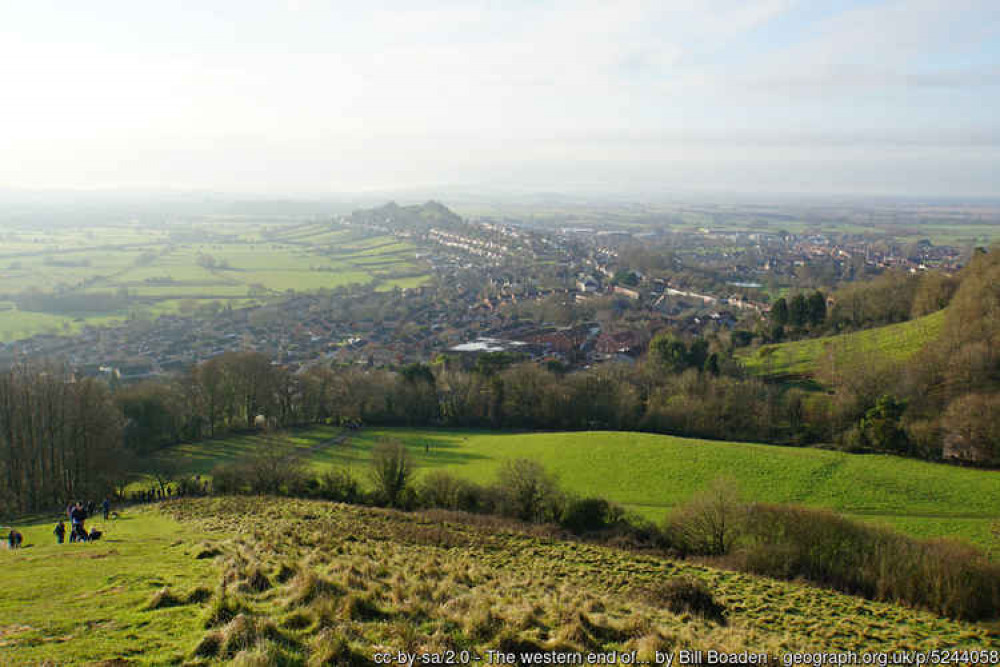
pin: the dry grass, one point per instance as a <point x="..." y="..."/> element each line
<point x="365" y="579"/>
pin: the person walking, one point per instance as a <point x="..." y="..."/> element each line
<point x="106" y="506"/>
<point x="60" y="532"/>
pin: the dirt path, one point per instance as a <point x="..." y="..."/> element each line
<point x="335" y="440"/>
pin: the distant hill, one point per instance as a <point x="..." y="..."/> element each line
<point x="416" y="216"/>
<point x="802" y="357"/>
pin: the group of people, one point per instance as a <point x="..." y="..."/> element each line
<point x="77" y="515"/>
<point x="153" y="495"/>
<point x="14" y="539"/>
<point x="196" y="487"/>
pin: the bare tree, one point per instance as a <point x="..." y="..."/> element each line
<point x="711" y="521"/>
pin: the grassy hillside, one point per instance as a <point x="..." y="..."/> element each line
<point x="77" y="603"/>
<point x="296" y="581"/>
<point x="651" y="473"/>
<point x="895" y="342"/>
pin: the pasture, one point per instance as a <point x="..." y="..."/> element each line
<point x="895" y="342"/>
<point x="649" y="473"/>
<point x="275" y="581"/>
<point x="57" y="281"/>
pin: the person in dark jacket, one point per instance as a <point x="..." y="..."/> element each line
<point x="14" y="539"/>
<point x="60" y="532"/>
<point x="77" y="518"/>
<point x="106" y="506"/>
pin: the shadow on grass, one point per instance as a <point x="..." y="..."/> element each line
<point x="425" y="450"/>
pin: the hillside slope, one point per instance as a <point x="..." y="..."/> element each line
<point x="651" y="473"/>
<point x="332" y="584"/>
<point x="897" y="342"/>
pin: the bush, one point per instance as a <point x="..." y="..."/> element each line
<point x="229" y="478"/>
<point x="441" y="489"/>
<point x="527" y="492"/>
<point x="587" y="515"/>
<point x="391" y="471"/>
<point x="710" y="522"/>
<point x="272" y="472"/>
<point x="340" y="486"/>
<point x="945" y="577"/>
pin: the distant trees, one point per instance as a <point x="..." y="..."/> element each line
<point x="626" y="277"/>
<point x="779" y="312"/>
<point x="155" y="415"/>
<point x="816" y="309"/>
<point x="673" y="354"/>
<point x="972" y="428"/>
<point x="881" y="427"/>
<point x="798" y="311"/>
<point x="892" y="297"/>
<point x="60" y="438"/>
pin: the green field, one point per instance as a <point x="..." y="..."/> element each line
<point x="79" y="603"/>
<point x="896" y="342"/>
<point x="263" y="581"/>
<point x="159" y="268"/>
<point x="651" y="473"/>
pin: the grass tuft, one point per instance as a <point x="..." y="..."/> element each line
<point x="164" y="598"/>
<point x="687" y="595"/>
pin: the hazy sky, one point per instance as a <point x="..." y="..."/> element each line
<point x="306" y="96"/>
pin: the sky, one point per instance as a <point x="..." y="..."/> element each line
<point x="889" y="97"/>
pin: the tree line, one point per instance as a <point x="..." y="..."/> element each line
<point x="59" y="438"/>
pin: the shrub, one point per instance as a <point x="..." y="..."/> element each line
<point x="272" y="471"/>
<point x="391" y="471"/>
<point x="275" y="471"/>
<point x="444" y="490"/>
<point x="229" y="478"/>
<point x="527" y="492"/>
<point x="946" y="577"/>
<point x="340" y="486"/>
<point x="585" y="515"/>
<point x="710" y="522"/>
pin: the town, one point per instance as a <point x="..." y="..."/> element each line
<point x="568" y="295"/>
